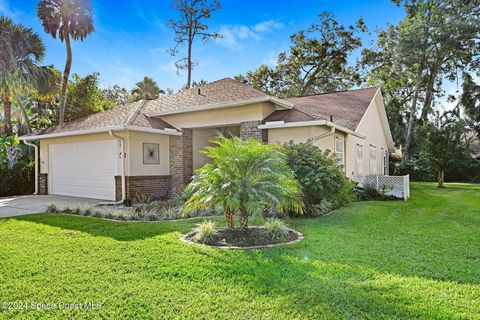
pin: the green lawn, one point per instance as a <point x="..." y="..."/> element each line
<point x="400" y="260"/>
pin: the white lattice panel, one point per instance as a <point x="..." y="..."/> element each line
<point x="398" y="186"/>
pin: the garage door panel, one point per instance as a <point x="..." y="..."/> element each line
<point x="84" y="169"/>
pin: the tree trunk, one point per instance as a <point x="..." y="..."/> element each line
<point x="229" y="217"/>
<point x="189" y="63"/>
<point x="243" y="218"/>
<point x="413" y="111"/>
<point x="441" y="177"/>
<point x="429" y="95"/>
<point x="24" y="113"/>
<point x="7" y="105"/>
<point x="66" y="75"/>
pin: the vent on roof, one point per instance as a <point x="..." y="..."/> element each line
<point x="331" y="118"/>
<point x="199" y="92"/>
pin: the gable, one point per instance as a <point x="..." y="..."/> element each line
<point x="374" y="123"/>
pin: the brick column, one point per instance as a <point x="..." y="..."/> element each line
<point x="249" y="129"/>
<point x="43" y="183"/>
<point x="181" y="160"/>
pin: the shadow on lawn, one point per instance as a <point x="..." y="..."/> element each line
<point x="121" y="231"/>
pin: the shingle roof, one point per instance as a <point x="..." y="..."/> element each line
<point x="130" y="114"/>
<point x="346" y="107"/>
<point x="226" y="90"/>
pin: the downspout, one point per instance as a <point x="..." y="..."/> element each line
<point x="36" y="163"/>
<point x="122" y="142"/>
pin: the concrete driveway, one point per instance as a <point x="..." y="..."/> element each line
<point x="19" y="205"/>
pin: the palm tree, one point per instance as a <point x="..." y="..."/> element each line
<point x="22" y="50"/>
<point x="244" y="176"/>
<point x="147" y="89"/>
<point x="65" y="19"/>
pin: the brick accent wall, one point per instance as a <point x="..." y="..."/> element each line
<point x="249" y="129"/>
<point x="181" y="160"/>
<point x="43" y="183"/>
<point x="157" y="187"/>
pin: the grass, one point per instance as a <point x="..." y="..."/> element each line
<point x="380" y="260"/>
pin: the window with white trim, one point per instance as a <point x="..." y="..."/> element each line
<point x="373" y="159"/>
<point x="340" y="150"/>
<point x="359" y="159"/>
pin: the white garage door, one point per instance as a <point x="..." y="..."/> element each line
<point x="84" y="169"/>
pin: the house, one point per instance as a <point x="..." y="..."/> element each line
<point x="152" y="147"/>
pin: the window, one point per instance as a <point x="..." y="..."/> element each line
<point x="384" y="162"/>
<point x="359" y="160"/>
<point x="339" y="150"/>
<point x="373" y="160"/>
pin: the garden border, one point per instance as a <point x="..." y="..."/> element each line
<point x="299" y="234"/>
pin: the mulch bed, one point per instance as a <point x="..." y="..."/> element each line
<point x="251" y="238"/>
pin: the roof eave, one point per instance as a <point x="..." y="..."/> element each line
<point x="280" y="102"/>
<point x="311" y="123"/>
<point x="166" y="131"/>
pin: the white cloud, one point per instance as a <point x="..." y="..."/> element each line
<point x="236" y="37"/>
<point x="267" y="26"/>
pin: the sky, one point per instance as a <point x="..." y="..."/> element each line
<point x="131" y="38"/>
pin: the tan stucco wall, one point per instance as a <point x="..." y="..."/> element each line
<point x="302" y="134"/>
<point x="200" y="139"/>
<point x="135" y="152"/>
<point x="220" y="117"/>
<point x="371" y="127"/>
<point x="133" y="147"/>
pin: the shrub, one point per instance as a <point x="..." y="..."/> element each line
<point x="51" y="208"/>
<point x="76" y="210"/>
<point x="276" y="228"/>
<point x="87" y="212"/>
<point x="319" y="174"/>
<point x="67" y="210"/>
<point x="205" y="231"/>
<point x="97" y="214"/>
<point x="127" y="202"/>
<point x="141" y="198"/>
<point x="109" y="215"/>
<point x="244" y="176"/>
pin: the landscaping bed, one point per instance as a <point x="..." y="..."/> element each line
<point x="238" y="238"/>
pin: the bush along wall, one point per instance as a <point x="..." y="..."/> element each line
<point x="323" y="181"/>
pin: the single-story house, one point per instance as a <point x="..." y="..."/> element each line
<point x="152" y="147"/>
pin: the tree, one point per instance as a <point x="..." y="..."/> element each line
<point x="189" y="25"/>
<point x="317" y="62"/>
<point x="84" y="97"/>
<point x="470" y="101"/>
<point x="147" y="89"/>
<point x="397" y="81"/>
<point x="444" y="144"/>
<point x="435" y="38"/>
<point x="22" y="51"/>
<point x="116" y="94"/>
<point x="66" y="19"/>
<point x="245" y="176"/>
<point x="196" y="84"/>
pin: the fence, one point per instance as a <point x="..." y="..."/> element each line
<point x="397" y="186"/>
